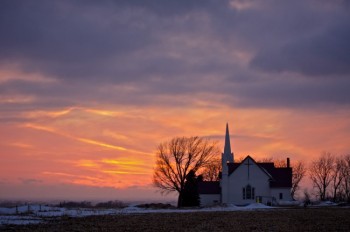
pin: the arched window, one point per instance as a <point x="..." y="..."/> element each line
<point x="248" y="192"/>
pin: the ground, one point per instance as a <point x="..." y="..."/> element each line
<point x="295" y="219"/>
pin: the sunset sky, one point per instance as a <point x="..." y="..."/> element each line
<point x="88" y="89"/>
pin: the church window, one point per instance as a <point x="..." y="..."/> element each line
<point x="248" y="192"/>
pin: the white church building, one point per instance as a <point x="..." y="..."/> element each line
<point x="247" y="182"/>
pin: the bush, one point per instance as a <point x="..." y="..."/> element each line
<point x="156" y="206"/>
<point x="73" y="204"/>
<point x="111" y="204"/>
<point x="11" y="204"/>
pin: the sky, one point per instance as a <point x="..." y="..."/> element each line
<point x="88" y="89"/>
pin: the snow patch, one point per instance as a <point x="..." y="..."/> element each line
<point x="29" y="214"/>
<point x="19" y="220"/>
<point x="289" y="203"/>
<point x="257" y="206"/>
<point x="326" y="203"/>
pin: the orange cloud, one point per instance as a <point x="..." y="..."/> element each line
<point x="22" y="145"/>
<point x="121" y="162"/>
<point x="84" y="140"/>
<point x="104" y="112"/>
<point x="52" y="114"/>
<point x="13" y="73"/>
<point x="103" y="147"/>
<point x="17" y="99"/>
<point x="87" y="163"/>
<point x="42" y="128"/>
<point x="124" y="172"/>
<point x="90" y="141"/>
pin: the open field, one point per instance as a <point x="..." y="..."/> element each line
<point x="310" y="219"/>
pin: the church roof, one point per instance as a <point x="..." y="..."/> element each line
<point x="279" y="177"/>
<point x="232" y="167"/>
<point x="209" y="187"/>
<point x="282" y="178"/>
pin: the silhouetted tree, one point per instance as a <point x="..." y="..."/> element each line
<point x="299" y="171"/>
<point x="265" y="160"/>
<point x="176" y="158"/>
<point x="278" y="163"/>
<point x="321" y="174"/>
<point x="307" y="200"/>
<point x="337" y="176"/>
<point x="212" y="170"/>
<point x="190" y="195"/>
<point x="345" y="172"/>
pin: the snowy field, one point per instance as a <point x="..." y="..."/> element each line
<point x="255" y="217"/>
<point x="32" y="214"/>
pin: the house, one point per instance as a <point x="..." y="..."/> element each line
<point x="247" y="182"/>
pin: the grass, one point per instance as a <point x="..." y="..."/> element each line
<point x="310" y="219"/>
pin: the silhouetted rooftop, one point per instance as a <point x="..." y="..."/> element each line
<point x="209" y="187"/>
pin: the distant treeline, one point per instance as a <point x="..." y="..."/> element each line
<point x="87" y="204"/>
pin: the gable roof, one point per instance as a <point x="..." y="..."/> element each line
<point x="233" y="166"/>
<point x="282" y="178"/>
<point x="209" y="187"/>
<point x="279" y="177"/>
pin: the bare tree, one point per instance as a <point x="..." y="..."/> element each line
<point x="307" y="200"/>
<point x="321" y="173"/>
<point x="212" y="170"/>
<point x="265" y="160"/>
<point x="337" y="175"/>
<point x="176" y="158"/>
<point x="299" y="171"/>
<point x="345" y="172"/>
<point x="278" y="163"/>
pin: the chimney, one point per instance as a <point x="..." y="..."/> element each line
<point x="288" y="163"/>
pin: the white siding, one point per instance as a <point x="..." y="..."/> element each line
<point x="258" y="180"/>
<point x="224" y="183"/>
<point x="286" y="196"/>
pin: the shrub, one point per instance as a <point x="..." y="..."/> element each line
<point x="111" y="204"/>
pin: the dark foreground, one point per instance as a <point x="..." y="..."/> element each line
<point x="329" y="219"/>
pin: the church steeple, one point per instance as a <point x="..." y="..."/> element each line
<point x="227" y="155"/>
<point x="227" y="148"/>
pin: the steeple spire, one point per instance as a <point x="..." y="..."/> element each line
<point x="226" y="158"/>
<point x="227" y="155"/>
<point x="227" y="148"/>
